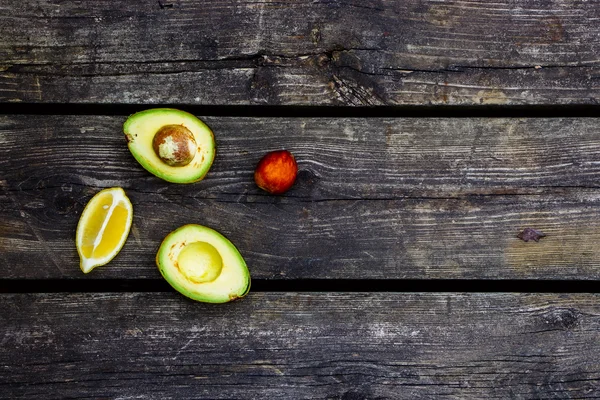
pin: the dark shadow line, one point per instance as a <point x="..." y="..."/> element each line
<point x="311" y="285"/>
<point x="406" y="111"/>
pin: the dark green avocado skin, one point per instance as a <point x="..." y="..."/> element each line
<point x="218" y="291"/>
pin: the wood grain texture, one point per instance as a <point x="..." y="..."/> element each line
<point x="339" y="158"/>
<point x="376" y="198"/>
<point x="301" y="346"/>
<point x="300" y="52"/>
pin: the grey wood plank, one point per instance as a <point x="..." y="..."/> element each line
<point x="376" y="198"/>
<point x="473" y="238"/>
<point x="300" y="52"/>
<point x="301" y="346"/>
<point x="339" y="158"/>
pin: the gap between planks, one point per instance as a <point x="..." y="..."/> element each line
<point x="401" y="111"/>
<point x="312" y="286"/>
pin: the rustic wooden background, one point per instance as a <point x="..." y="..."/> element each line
<point x="383" y="197"/>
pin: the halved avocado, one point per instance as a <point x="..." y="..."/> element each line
<point x="203" y="265"/>
<point x="172" y="144"/>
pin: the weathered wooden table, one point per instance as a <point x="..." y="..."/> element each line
<point x="428" y="135"/>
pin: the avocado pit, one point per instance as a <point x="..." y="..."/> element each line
<point x="276" y="172"/>
<point x="171" y="144"/>
<point x="175" y="145"/>
<point x="200" y="262"/>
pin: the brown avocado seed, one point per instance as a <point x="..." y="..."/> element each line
<point x="174" y="145"/>
<point x="276" y="172"/>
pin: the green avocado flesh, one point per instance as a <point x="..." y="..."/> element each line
<point x="140" y="129"/>
<point x="203" y="265"/>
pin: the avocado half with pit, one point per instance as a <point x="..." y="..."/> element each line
<point x="172" y="144"/>
<point x="203" y="265"/>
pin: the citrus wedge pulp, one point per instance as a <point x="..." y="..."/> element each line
<point x="103" y="228"/>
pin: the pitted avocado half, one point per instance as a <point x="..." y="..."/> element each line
<point x="203" y="265"/>
<point x="173" y="145"/>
